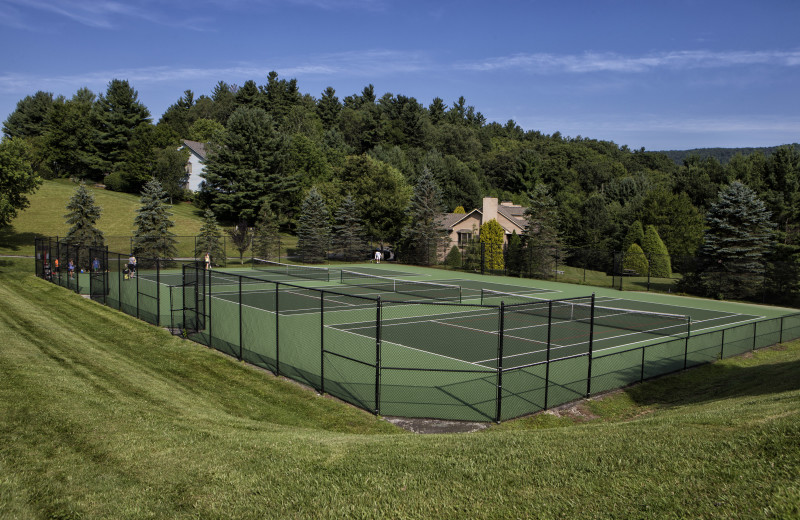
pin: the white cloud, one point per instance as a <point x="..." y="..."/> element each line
<point x="547" y="63"/>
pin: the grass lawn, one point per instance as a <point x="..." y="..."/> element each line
<point x="103" y="416"/>
<point x="45" y="217"/>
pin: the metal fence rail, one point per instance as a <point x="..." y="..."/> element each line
<point x="391" y="357"/>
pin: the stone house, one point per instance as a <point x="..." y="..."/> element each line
<point x="463" y="227"/>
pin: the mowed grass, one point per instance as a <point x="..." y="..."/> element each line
<point x="103" y="416"/>
<point x="45" y="218"/>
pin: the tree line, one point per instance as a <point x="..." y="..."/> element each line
<point x="270" y="144"/>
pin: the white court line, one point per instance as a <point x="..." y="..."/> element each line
<point x="410" y="348"/>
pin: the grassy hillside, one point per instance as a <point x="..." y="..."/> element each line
<point x="45" y="216"/>
<point x="104" y="416"/>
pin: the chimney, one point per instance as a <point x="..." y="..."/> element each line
<point x="489" y="209"/>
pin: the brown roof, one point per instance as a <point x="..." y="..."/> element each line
<point x="448" y="220"/>
<point x="515" y="214"/>
<point x="199" y="149"/>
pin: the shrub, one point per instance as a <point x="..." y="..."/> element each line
<point x="453" y="258"/>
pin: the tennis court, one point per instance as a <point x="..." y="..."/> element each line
<point x="397" y="341"/>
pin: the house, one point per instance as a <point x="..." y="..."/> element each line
<point x="196" y="163"/>
<point x="462" y="226"/>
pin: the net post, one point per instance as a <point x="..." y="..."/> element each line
<point x="547" y="364"/>
<point x="241" y="335"/>
<point x="500" y="333"/>
<point x="322" y="342"/>
<point x="591" y="345"/>
<point x="378" y="357"/>
<point x="460" y="295"/>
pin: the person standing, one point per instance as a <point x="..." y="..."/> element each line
<point x="96" y="265"/>
<point x="71" y="268"/>
<point x="377" y="257"/>
<point x="207" y="260"/>
<point x="132" y="266"/>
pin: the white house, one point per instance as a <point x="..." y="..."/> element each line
<point x="196" y="163"/>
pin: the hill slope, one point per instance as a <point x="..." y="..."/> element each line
<point x="45" y="216"/>
<point x="104" y="416"/>
<point x="723" y="155"/>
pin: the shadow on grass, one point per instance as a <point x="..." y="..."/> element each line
<point x="13" y="241"/>
<point x="719" y="381"/>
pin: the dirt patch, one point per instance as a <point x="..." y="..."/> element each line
<point x="436" y="426"/>
<point x="577" y="412"/>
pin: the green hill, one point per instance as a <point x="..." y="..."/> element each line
<point x="723" y="155"/>
<point x="45" y="217"/>
<point x="104" y="416"/>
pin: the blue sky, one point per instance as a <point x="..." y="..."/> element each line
<point x="660" y="75"/>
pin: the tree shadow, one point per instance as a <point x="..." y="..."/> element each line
<point x="718" y="381"/>
<point x="14" y="241"/>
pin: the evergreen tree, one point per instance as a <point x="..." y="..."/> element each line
<point x="738" y="235"/>
<point x="169" y="168"/>
<point x="30" y="117"/>
<point x="152" y="237"/>
<point x="634" y="235"/>
<point x="71" y="137"/>
<point x="542" y="240"/>
<point x="491" y="236"/>
<point x="82" y="215"/>
<point x="514" y="255"/>
<point x="266" y="235"/>
<point x="656" y="253"/>
<point x="209" y="240"/>
<point x="118" y="114"/>
<point x="635" y="261"/>
<point x="328" y="108"/>
<point x="472" y="252"/>
<point x="459" y="209"/>
<point x="348" y="233"/>
<point x="453" y="258"/>
<point x="244" y="169"/>
<point x="424" y="235"/>
<point x="313" y="229"/>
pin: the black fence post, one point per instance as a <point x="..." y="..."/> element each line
<point x="277" y="330"/>
<point x="755" y="328"/>
<point x="780" y="334"/>
<point x="501" y="328"/>
<point x="322" y="342"/>
<point x="591" y="345"/>
<point x="722" y="345"/>
<point x="378" y="357"/>
<point x="208" y="309"/>
<point x="241" y="335"/>
<point x="483" y="257"/>
<point x="137" y="290"/>
<point x="158" y="291"/>
<point x="547" y="364"/>
<point x="641" y="375"/>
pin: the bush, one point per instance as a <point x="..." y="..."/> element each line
<point x="635" y="260"/>
<point x="453" y="258"/>
<point x="115" y="182"/>
<point x="656" y="251"/>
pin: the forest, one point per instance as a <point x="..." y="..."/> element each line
<point x="270" y="144"/>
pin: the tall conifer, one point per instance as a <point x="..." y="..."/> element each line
<point x="313" y="229"/>
<point x="153" y="237"/>
<point x="82" y="216"/>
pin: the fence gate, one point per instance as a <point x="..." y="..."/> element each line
<point x="193" y="301"/>
<point x="98" y="273"/>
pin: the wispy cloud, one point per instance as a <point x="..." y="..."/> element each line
<point x="547" y="63"/>
<point x="368" y="64"/>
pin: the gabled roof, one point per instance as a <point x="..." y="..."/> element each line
<point x="449" y="220"/>
<point x="515" y="214"/>
<point x="199" y="149"/>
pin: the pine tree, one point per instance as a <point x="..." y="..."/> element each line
<point x="491" y="236"/>
<point x="82" y="215"/>
<point x="514" y="255"/>
<point x="152" y="237"/>
<point x="266" y="235"/>
<point x="118" y="114"/>
<point x="738" y="235"/>
<point x="209" y="240"/>
<point x="313" y="228"/>
<point x="424" y="235"/>
<point x="348" y="233"/>
<point x="542" y="240"/>
<point x="656" y="253"/>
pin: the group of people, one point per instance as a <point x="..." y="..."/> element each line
<point x="71" y="266"/>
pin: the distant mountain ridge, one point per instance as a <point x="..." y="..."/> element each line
<point x="723" y="155"/>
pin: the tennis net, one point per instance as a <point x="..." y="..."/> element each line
<point x="298" y="271"/>
<point x="580" y="309"/>
<point x="427" y="290"/>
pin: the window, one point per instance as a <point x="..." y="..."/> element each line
<point x="464" y="237"/>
